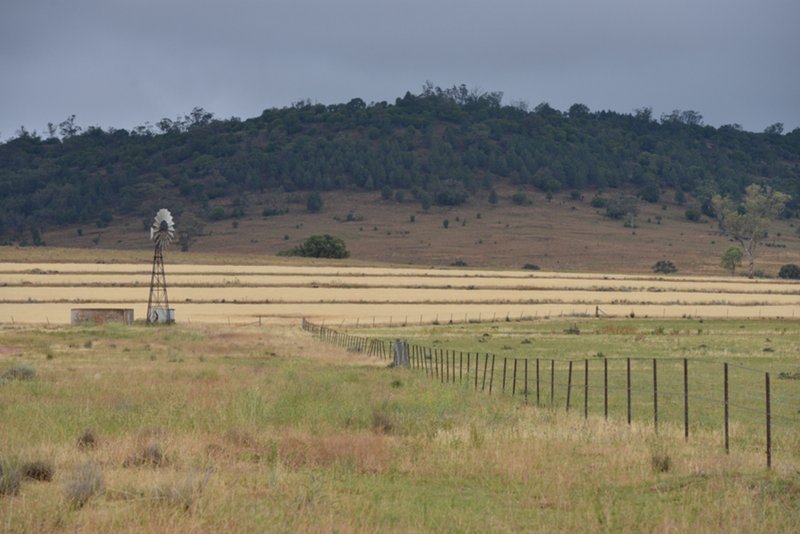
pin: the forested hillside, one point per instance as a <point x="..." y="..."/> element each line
<point x="439" y="146"/>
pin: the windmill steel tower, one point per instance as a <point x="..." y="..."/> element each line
<point x="162" y="231"/>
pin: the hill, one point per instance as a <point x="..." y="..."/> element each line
<point x="444" y="152"/>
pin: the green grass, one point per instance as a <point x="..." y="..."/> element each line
<point x="267" y="429"/>
<point x="751" y="348"/>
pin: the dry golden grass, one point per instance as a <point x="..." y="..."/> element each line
<point x="45" y="292"/>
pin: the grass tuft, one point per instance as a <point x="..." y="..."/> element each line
<point x="87" y="439"/>
<point x="38" y="470"/>
<point x="183" y="493"/>
<point x="660" y="460"/>
<point x="18" y="372"/>
<point x="149" y="455"/>
<point x="10" y="478"/>
<point x="83" y="483"/>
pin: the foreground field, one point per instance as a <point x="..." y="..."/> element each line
<point x="45" y="293"/>
<point x="202" y="428"/>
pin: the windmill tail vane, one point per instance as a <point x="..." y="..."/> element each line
<point x="162" y="232"/>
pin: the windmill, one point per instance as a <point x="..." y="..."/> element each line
<point x="162" y="231"/>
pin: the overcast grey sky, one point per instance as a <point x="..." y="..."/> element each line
<point x="124" y="62"/>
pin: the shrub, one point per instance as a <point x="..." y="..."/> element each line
<point x="789" y="271"/>
<point x="38" y="470"/>
<point x="18" y="372"/>
<point x="314" y="202"/>
<point x="458" y="263"/>
<point x="660" y="461"/>
<point x="664" y="267"/>
<point x="598" y="202"/>
<point x="87" y="439"/>
<point x="446" y="223"/>
<point x="320" y="246"/>
<point x="217" y="214"/>
<point x="451" y="193"/>
<point x="84" y="482"/>
<point x="693" y="215"/>
<point x="273" y="212"/>
<point x="530" y="267"/>
<point x="521" y="199"/>
<point x="183" y="493"/>
<point x="149" y="455"/>
<point x="10" y="478"/>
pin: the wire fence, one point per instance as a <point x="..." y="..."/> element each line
<point x="754" y="410"/>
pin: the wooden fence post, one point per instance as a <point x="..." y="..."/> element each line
<point x="727" y="431"/>
<point x="526" y="380"/>
<point x="586" y="389"/>
<point x="605" y="388"/>
<point x="629" y="390"/>
<point x="655" y="395"/>
<point x="685" y="399"/>
<point x="769" y="421"/>
<point x="514" y="382"/>
<point x="569" y="384"/>
<point x="491" y="376"/>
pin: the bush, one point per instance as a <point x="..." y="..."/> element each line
<point x="217" y="214"/>
<point x="521" y="199"/>
<point x="84" y="482"/>
<point x="87" y="439"/>
<point x="693" y="215"/>
<point x="789" y="271"/>
<point x="38" y="470"/>
<point x="18" y="372"/>
<point x="664" y="267"/>
<point x="446" y="223"/>
<point x="314" y="202"/>
<point x="10" y="478"/>
<point x="272" y="212"/>
<point x="149" y="455"/>
<point x="598" y="202"/>
<point x="530" y="267"/>
<point x="320" y="246"/>
<point x="458" y="263"/>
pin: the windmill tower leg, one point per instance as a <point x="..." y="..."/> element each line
<point x="158" y="301"/>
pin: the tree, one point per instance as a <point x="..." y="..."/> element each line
<point x="320" y="246"/>
<point x="731" y="259"/>
<point x="664" y="267"/>
<point x="314" y="202"/>
<point x="747" y="222"/>
<point x="789" y="271"/>
<point x="492" y="196"/>
<point x="774" y="129"/>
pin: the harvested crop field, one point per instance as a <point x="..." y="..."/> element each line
<point x="45" y="293"/>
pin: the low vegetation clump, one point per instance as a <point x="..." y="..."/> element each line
<point x="83" y="483"/>
<point x="38" y="470"/>
<point x="87" y="439"/>
<point x="10" y="477"/>
<point x="530" y="267"/>
<point x="664" y="267"/>
<point x="18" y="372"/>
<point x="320" y="246"/>
<point x="789" y="271"/>
<point x="148" y="455"/>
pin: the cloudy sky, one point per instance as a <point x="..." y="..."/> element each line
<point x="122" y="63"/>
